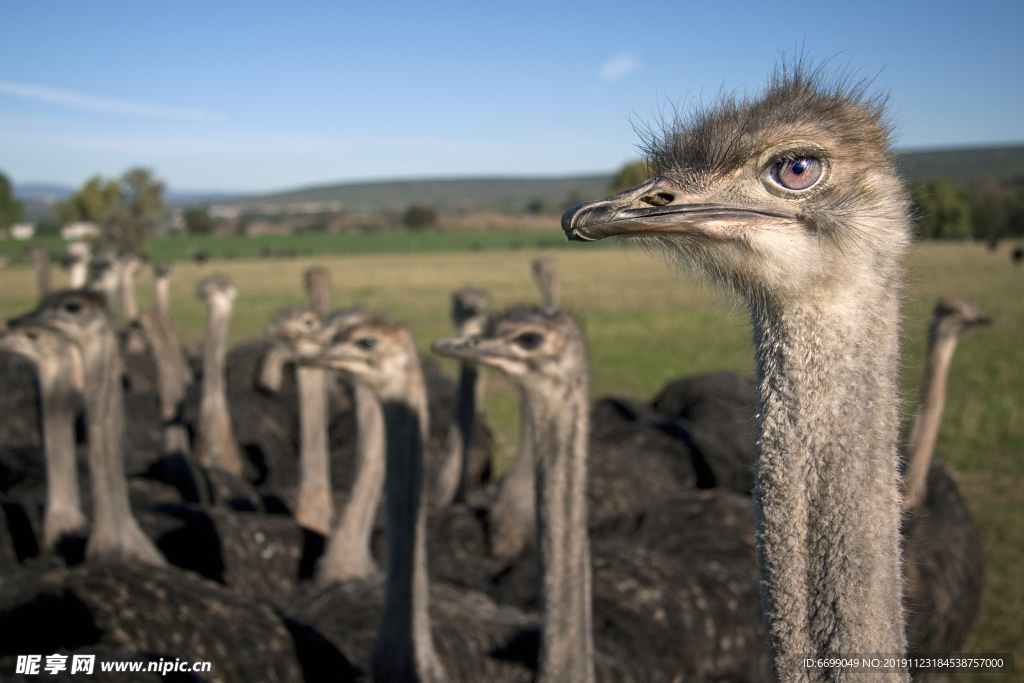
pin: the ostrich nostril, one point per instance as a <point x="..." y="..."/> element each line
<point x="659" y="199"/>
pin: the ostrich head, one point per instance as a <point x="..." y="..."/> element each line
<point x="469" y="310"/>
<point x="217" y="291"/>
<point x="373" y="351"/>
<point x="537" y="349"/>
<point x="788" y="195"/>
<point x="953" y="317"/>
<point x="79" y="315"/>
<point x="297" y="325"/>
<point x="50" y="351"/>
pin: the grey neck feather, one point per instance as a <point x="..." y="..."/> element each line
<point x="826" y="495"/>
<point x="924" y="427"/>
<point x="559" y="427"/>
<point x="116" y="535"/>
<point x="513" y="516"/>
<point x="41" y="260"/>
<point x="63" y="514"/>
<point x="405" y="648"/>
<point x="162" y="291"/>
<point x="348" y="551"/>
<point x="128" y="302"/>
<point x="315" y="508"/>
<point x="215" y="441"/>
<point x="172" y="374"/>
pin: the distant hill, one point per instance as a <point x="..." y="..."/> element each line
<point x="448" y="194"/>
<point x="963" y="165"/>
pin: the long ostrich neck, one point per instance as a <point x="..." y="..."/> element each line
<point x="42" y="264"/>
<point x="826" y="484"/>
<point x="405" y="646"/>
<point x="514" y="513"/>
<point x="216" y="441"/>
<point x="559" y="425"/>
<point x="128" y="301"/>
<point x="63" y="502"/>
<point x="924" y="427"/>
<point x="316" y="509"/>
<point x="78" y="273"/>
<point x="162" y="293"/>
<point x="348" y="551"/>
<point x="452" y="477"/>
<point x="115" y="534"/>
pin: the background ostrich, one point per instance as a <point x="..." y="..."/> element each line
<point x="40" y="257"/>
<point x="944" y="555"/>
<point x="173" y="373"/>
<point x="545" y="273"/>
<point x="469" y="315"/>
<point x="82" y="318"/>
<point x="61" y="376"/>
<point x="215" y="445"/>
<point x="77" y="262"/>
<point x="314" y="508"/>
<point x="792" y="200"/>
<point x="318" y="288"/>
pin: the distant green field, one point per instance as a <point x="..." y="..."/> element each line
<point x="324" y="244"/>
<point x="646" y="326"/>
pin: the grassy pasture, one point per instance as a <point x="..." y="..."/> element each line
<point x="646" y="325"/>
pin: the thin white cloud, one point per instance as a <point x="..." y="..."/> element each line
<point x="74" y="100"/>
<point x="619" y="65"/>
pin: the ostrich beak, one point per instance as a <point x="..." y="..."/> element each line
<point x="472" y="349"/>
<point x="463" y="348"/>
<point x="658" y="206"/>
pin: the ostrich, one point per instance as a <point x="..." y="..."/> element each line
<point x="315" y="508"/>
<point x="77" y="261"/>
<point x="469" y="314"/>
<point x="105" y="277"/>
<point x="130" y="266"/>
<point x="215" y="445"/>
<point x="40" y="257"/>
<point x="382" y="355"/>
<point x="173" y="374"/>
<point x="793" y="201"/>
<point x="512" y="518"/>
<point x="554" y="384"/>
<point x="545" y="273"/>
<point x="82" y="317"/>
<point x="318" y="287"/>
<point x="61" y="379"/>
<point x="944" y="557"/>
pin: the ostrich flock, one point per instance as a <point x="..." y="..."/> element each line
<point x="318" y="505"/>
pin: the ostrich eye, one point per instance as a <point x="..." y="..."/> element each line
<point x="797" y="174"/>
<point x="72" y="307"/>
<point x="367" y="342"/>
<point x="32" y="335"/>
<point x="529" y="340"/>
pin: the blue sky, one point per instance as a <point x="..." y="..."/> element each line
<point x="254" y="96"/>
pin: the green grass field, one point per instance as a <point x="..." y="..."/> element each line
<point x="646" y="325"/>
